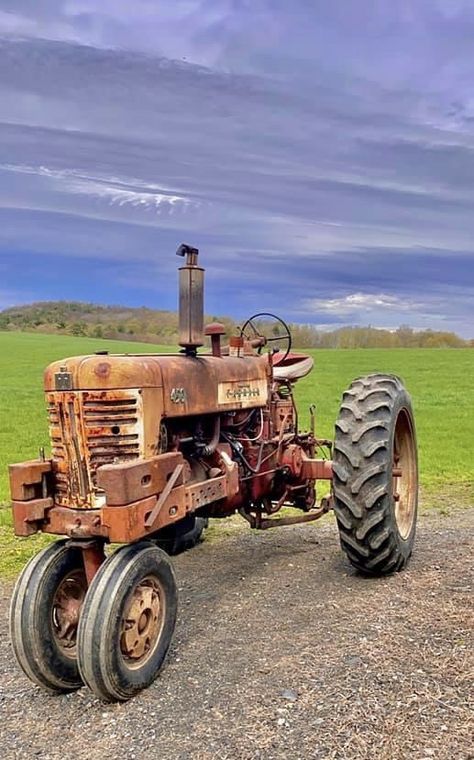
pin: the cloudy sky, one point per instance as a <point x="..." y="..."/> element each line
<point x="321" y="155"/>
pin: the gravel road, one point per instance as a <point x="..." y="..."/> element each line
<point x="283" y="651"/>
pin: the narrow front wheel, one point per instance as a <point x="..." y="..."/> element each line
<point x="127" y="622"/>
<point x="44" y="616"/>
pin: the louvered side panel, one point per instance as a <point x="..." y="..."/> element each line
<point x="108" y="428"/>
<point x="113" y="427"/>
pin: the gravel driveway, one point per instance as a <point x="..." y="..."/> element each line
<point x="283" y="651"/>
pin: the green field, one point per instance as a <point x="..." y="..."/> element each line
<point x="440" y="381"/>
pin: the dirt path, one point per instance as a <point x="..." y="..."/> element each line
<point x="282" y="651"/>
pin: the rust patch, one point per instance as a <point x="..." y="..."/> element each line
<point x="132" y="481"/>
<point x="28" y="515"/>
<point x="29" y="480"/>
<point x="102" y="370"/>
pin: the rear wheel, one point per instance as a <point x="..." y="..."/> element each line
<point x="376" y="474"/>
<point x="44" y="616"/>
<point x="127" y="622"/>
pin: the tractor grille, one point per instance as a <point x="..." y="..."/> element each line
<point x="89" y="429"/>
<point x="110" y="427"/>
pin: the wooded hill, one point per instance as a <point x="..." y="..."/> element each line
<point x="153" y="326"/>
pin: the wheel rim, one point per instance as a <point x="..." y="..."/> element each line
<point x="142" y="622"/>
<point x="404" y="474"/>
<point x="65" y="611"/>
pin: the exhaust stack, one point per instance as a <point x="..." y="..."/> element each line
<point x="191" y="300"/>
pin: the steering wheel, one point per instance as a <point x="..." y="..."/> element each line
<point x="253" y="330"/>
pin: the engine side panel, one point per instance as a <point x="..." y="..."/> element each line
<point x="103" y="418"/>
<point x="204" y="385"/>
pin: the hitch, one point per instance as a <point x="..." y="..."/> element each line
<point x="258" y="522"/>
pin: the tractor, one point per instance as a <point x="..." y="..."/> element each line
<point x="146" y="448"/>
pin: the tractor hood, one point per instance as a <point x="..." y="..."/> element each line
<point x="191" y="384"/>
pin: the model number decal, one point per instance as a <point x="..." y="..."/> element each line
<point x="243" y="393"/>
<point x="178" y="395"/>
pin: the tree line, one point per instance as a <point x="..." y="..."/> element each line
<point x="158" y="326"/>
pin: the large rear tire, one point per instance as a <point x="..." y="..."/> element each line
<point x="44" y="615"/>
<point x="127" y="622"/>
<point x="376" y="474"/>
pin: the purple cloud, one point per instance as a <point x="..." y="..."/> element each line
<point x="324" y="151"/>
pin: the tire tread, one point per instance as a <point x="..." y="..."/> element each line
<point x="362" y="490"/>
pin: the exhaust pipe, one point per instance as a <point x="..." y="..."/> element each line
<point x="191" y="300"/>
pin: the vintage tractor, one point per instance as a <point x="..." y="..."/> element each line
<point x="144" y="448"/>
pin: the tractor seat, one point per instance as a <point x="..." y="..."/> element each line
<point x="292" y="367"/>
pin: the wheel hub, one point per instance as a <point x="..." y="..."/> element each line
<point x="66" y="609"/>
<point x="142" y="621"/>
<point x="404" y="475"/>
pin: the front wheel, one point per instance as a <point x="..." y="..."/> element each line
<point x="376" y="474"/>
<point x="127" y="622"/>
<point x="44" y="615"/>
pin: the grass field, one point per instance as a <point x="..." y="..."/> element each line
<point x="440" y="381"/>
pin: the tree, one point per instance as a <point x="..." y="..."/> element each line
<point x="78" y="329"/>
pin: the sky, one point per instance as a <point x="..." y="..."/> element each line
<point x="320" y="155"/>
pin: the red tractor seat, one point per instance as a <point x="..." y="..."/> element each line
<point x="292" y="367"/>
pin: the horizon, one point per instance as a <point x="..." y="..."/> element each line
<point x="322" y="328"/>
<point x="316" y="184"/>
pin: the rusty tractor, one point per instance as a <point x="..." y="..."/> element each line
<point x="145" y="448"/>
